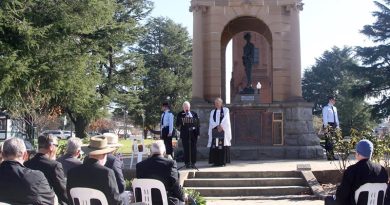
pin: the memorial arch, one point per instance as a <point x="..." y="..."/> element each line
<point x="277" y="122"/>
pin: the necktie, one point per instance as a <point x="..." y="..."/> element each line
<point x="334" y="116"/>
<point x="162" y="119"/>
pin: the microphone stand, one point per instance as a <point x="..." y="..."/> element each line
<point x="189" y="123"/>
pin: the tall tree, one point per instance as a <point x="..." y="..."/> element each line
<point x="331" y="75"/>
<point x="68" y="55"/>
<point x="38" y="51"/>
<point x="120" y="70"/>
<point x="167" y="52"/>
<point x="375" y="71"/>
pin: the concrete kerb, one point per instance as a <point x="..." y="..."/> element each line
<point x="314" y="185"/>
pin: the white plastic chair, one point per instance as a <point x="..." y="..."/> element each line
<point x="135" y="151"/>
<point x="373" y="190"/>
<point x="84" y="195"/>
<point x="146" y="186"/>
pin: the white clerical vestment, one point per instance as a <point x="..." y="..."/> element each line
<point x="225" y="124"/>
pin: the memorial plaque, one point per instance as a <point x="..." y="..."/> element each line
<point x="247" y="127"/>
<point x="247" y="98"/>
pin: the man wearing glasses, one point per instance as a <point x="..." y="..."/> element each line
<point x="45" y="161"/>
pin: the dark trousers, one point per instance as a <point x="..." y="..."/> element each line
<point x="329" y="144"/>
<point x="186" y="140"/>
<point x="167" y="140"/>
<point x="329" y="200"/>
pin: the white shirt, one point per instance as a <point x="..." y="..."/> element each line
<point x="329" y="115"/>
<point x="167" y="121"/>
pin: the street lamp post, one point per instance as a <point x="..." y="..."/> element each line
<point x="125" y="121"/>
<point x="143" y="122"/>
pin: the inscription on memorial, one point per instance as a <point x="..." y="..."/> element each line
<point x="247" y="98"/>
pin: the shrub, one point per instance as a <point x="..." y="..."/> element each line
<point x="196" y="196"/>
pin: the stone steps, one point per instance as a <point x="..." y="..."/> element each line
<point x="249" y="174"/>
<point x="251" y="191"/>
<point x="244" y="182"/>
<point x="248" y="184"/>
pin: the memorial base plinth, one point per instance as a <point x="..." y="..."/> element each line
<point x="253" y="130"/>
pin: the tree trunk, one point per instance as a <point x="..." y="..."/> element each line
<point x="80" y="126"/>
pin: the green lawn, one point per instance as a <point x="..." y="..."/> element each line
<point x="127" y="145"/>
<point x="125" y="149"/>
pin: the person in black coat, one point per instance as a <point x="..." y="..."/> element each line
<point x="69" y="159"/>
<point x="364" y="171"/>
<point x="188" y="134"/>
<point x="45" y="162"/>
<point x="18" y="184"/>
<point x="93" y="174"/>
<point x="162" y="169"/>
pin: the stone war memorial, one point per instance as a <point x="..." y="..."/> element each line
<point x="273" y="122"/>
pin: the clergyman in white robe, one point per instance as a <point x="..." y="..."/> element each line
<point x="220" y="151"/>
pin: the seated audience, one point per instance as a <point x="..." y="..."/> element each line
<point x="364" y="171"/>
<point x="93" y="174"/>
<point x="45" y="162"/>
<point x="70" y="158"/>
<point x="18" y="184"/>
<point x="164" y="170"/>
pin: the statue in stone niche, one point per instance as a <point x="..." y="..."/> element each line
<point x="247" y="60"/>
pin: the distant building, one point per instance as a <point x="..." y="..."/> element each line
<point x="383" y="128"/>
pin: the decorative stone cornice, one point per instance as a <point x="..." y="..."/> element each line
<point x="198" y="8"/>
<point x="298" y="6"/>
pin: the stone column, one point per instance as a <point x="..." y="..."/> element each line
<point x="197" y="53"/>
<point x="295" y="52"/>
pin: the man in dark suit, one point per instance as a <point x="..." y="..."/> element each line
<point x="93" y="174"/>
<point x="364" y="171"/>
<point x="188" y="135"/>
<point x="162" y="169"/>
<point x="69" y="159"/>
<point x="18" y="184"/>
<point x="45" y="162"/>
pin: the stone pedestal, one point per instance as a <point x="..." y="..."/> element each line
<point x="299" y="138"/>
<point x="247" y="99"/>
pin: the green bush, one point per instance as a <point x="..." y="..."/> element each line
<point x="196" y="196"/>
<point x="345" y="147"/>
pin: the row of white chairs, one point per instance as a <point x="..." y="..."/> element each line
<point x="84" y="195"/>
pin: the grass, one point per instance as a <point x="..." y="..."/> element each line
<point x="128" y="145"/>
<point x="125" y="149"/>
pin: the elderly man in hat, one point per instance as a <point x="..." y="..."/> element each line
<point x="93" y="174"/>
<point x="364" y="171"/>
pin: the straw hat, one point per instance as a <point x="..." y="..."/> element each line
<point x="97" y="145"/>
<point x="112" y="139"/>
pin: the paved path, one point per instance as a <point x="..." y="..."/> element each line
<point x="268" y="202"/>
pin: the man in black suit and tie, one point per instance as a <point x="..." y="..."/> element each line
<point x="45" y="161"/>
<point x="188" y="135"/>
<point x="18" y="184"/>
<point x="162" y="169"/>
<point x="93" y="174"/>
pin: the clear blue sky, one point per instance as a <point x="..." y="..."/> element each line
<point x="324" y="24"/>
